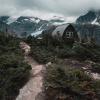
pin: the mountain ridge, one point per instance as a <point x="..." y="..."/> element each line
<point x="91" y="17"/>
<point x="25" y="25"/>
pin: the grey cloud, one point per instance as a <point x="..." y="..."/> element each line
<point x="64" y="7"/>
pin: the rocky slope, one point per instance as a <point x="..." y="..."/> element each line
<point x="92" y="17"/>
<point x="25" y="25"/>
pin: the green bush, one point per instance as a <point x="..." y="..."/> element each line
<point x="64" y="52"/>
<point x="41" y="54"/>
<point x="81" y="51"/>
<point x="14" y="71"/>
<point x="62" y="80"/>
<point x="69" y="81"/>
<point x="96" y="67"/>
<point x="86" y="52"/>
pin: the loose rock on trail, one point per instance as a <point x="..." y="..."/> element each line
<point x="33" y="89"/>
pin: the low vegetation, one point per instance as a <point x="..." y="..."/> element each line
<point x="96" y="68"/>
<point x="13" y="70"/>
<point x="44" y="50"/>
<point x="62" y="81"/>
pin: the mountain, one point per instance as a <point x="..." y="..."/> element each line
<point x="92" y="17"/>
<point x="25" y="25"/>
<point x="88" y="25"/>
<point x="4" y="28"/>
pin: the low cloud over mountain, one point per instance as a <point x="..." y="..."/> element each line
<point x="46" y="8"/>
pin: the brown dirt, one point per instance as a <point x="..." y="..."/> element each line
<point x="33" y="89"/>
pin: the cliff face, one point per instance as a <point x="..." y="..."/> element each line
<point x="92" y="17"/>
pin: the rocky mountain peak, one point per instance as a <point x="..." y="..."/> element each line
<point x="87" y="18"/>
<point x="91" y="17"/>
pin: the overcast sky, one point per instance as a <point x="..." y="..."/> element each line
<point x="47" y="8"/>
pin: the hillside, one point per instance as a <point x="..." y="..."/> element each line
<point x="25" y="25"/>
<point x="14" y="72"/>
<point x="72" y="69"/>
<point x="91" y="17"/>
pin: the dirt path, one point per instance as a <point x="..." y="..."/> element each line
<point x="33" y="88"/>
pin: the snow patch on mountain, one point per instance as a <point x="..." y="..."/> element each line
<point x="59" y="23"/>
<point x="95" y="22"/>
<point x="36" y="33"/>
<point x="11" y="20"/>
<point x="40" y="28"/>
<point x="32" y="25"/>
<point x="26" y="19"/>
<point x="35" y="20"/>
<point x="56" y="18"/>
<point x="38" y="21"/>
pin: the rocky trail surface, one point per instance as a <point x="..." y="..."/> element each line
<point x="33" y="89"/>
